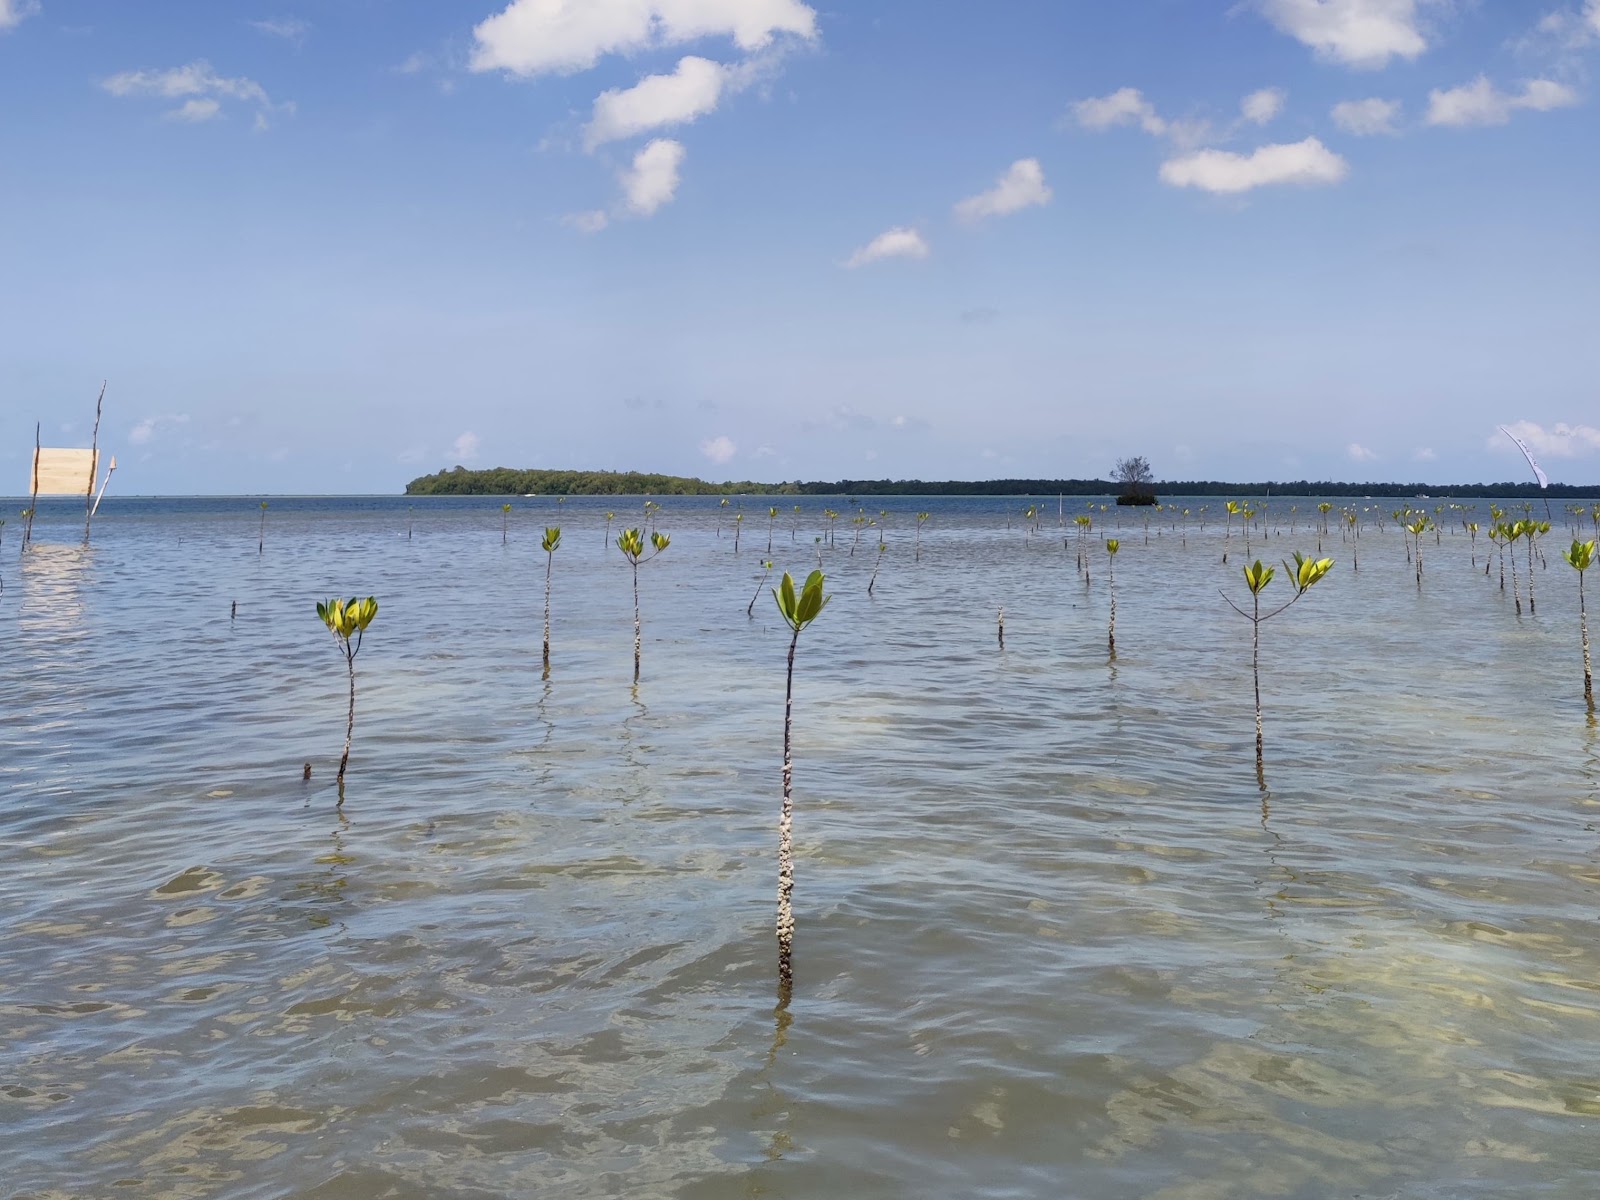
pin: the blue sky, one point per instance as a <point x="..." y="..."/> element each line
<point x="330" y="246"/>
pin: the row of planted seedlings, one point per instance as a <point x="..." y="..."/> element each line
<point x="348" y="620"/>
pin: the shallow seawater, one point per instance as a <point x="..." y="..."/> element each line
<point x="1053" y="938"/>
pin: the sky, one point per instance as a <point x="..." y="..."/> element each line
<point x="325" y="246"/>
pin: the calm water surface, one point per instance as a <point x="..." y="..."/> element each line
<point x="1053" y="939"/>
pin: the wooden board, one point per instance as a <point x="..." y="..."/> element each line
<point x="64" y="472"/>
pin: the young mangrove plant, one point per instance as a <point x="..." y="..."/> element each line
<point x="922" y="519"/>
<point x="766" y="573"/>
<point x="738" y="527"/>
<point x="1304" y="574"/>
<point x="550" y="544"/>
<point x="772" y="519"/>
<point x="505" y="522"/>
<point x="1083" y="522"/>
<point x="1232" y="511"/>
<point x="1580" y="557"/>
<point x="261" y="533"/>
<point x="798" y="611"/>
<point x="631" y="543"/>
<point x="1416" y="529"/>
<point x="347" y="620"/>
<point x="1533" y="530"/>
<point x="722" y="510"/>
<point x="1112" y="546"/>
<point x="1324" y="508"/>
<point x="610" y="517"/>
<point x="1509" y="533"/>
<point x="875" y="567"/>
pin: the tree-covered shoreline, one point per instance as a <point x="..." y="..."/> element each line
<point x="509" y="481"/>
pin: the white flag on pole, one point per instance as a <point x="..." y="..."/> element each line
<point x="1538" y="472"/>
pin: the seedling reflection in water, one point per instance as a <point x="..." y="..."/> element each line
<point x="1580" y="557"/>
<point x="347" y="619"/>
<point x="1305" y="573"/>
<point x="631" y="543"/>
<point x="766" y="572"/>
<point x="797" y="611"/>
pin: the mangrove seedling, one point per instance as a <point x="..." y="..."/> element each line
<point x="772" y="519"/>
<point x="738" y="525"/>
<point x="1580" y="557"/>
<point x="1416" y="529"/>
<point x="798" y="611"/>
<point x="873" y="582"/>
<point x="766" y="572"/>
<point x="631" y="543"/>
<point x="721" y="512"/>
<point x="1532" y="530"/>
<point x="347" y="620"/>
<point x="922" y="519"/>
<point x="550" y="544"/>
<point x="505" y="522"/>
<point x="1232" y="511"/>
<point x="261" y="533"/>
<point x="1112" y="546"/>
<point x="1304" y="574"/>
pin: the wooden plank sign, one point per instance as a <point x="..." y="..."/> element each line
<point x="64" y="472"/>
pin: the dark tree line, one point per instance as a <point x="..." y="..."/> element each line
<point x="507" y="481"/>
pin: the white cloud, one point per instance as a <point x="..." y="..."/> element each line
<point x="1559" y="441"/>
<point x="592" y="221"/>
<point x="198" y="108"/>
<point x="1360" y="453"/>
<point x="1364" y="118"/>
<point x="1481" y="103"/>
<point x="1566" y="29"/>
<point x="719" y="449"/>
<point x="535" y="37"/>
<point x="690" y="92"/>
<point x="290" y="29"/>
<point x="652" y="180"/>
<point x="1128" y="106"/>
<point x="195" y="82"/>
<point x="1225" y="172"/>
<point x="1261" y="107"/>
<point x="1357" y="33"/>
<point x="1022" y="186"/>
<point x="145" y="431"/>
<point x="13" y="11"/>
<point x="466" y="447"/>
<point x="1425" y="454"/>
<point x="1125" y="106"/>
<point x="894" y="243"/>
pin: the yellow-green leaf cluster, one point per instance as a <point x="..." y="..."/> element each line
<point x="1307" y="571"/>
<point x="345" y="618"/>
<point x="799" y="611"/>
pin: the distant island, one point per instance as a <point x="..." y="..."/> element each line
<point x="509" y="481"/>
